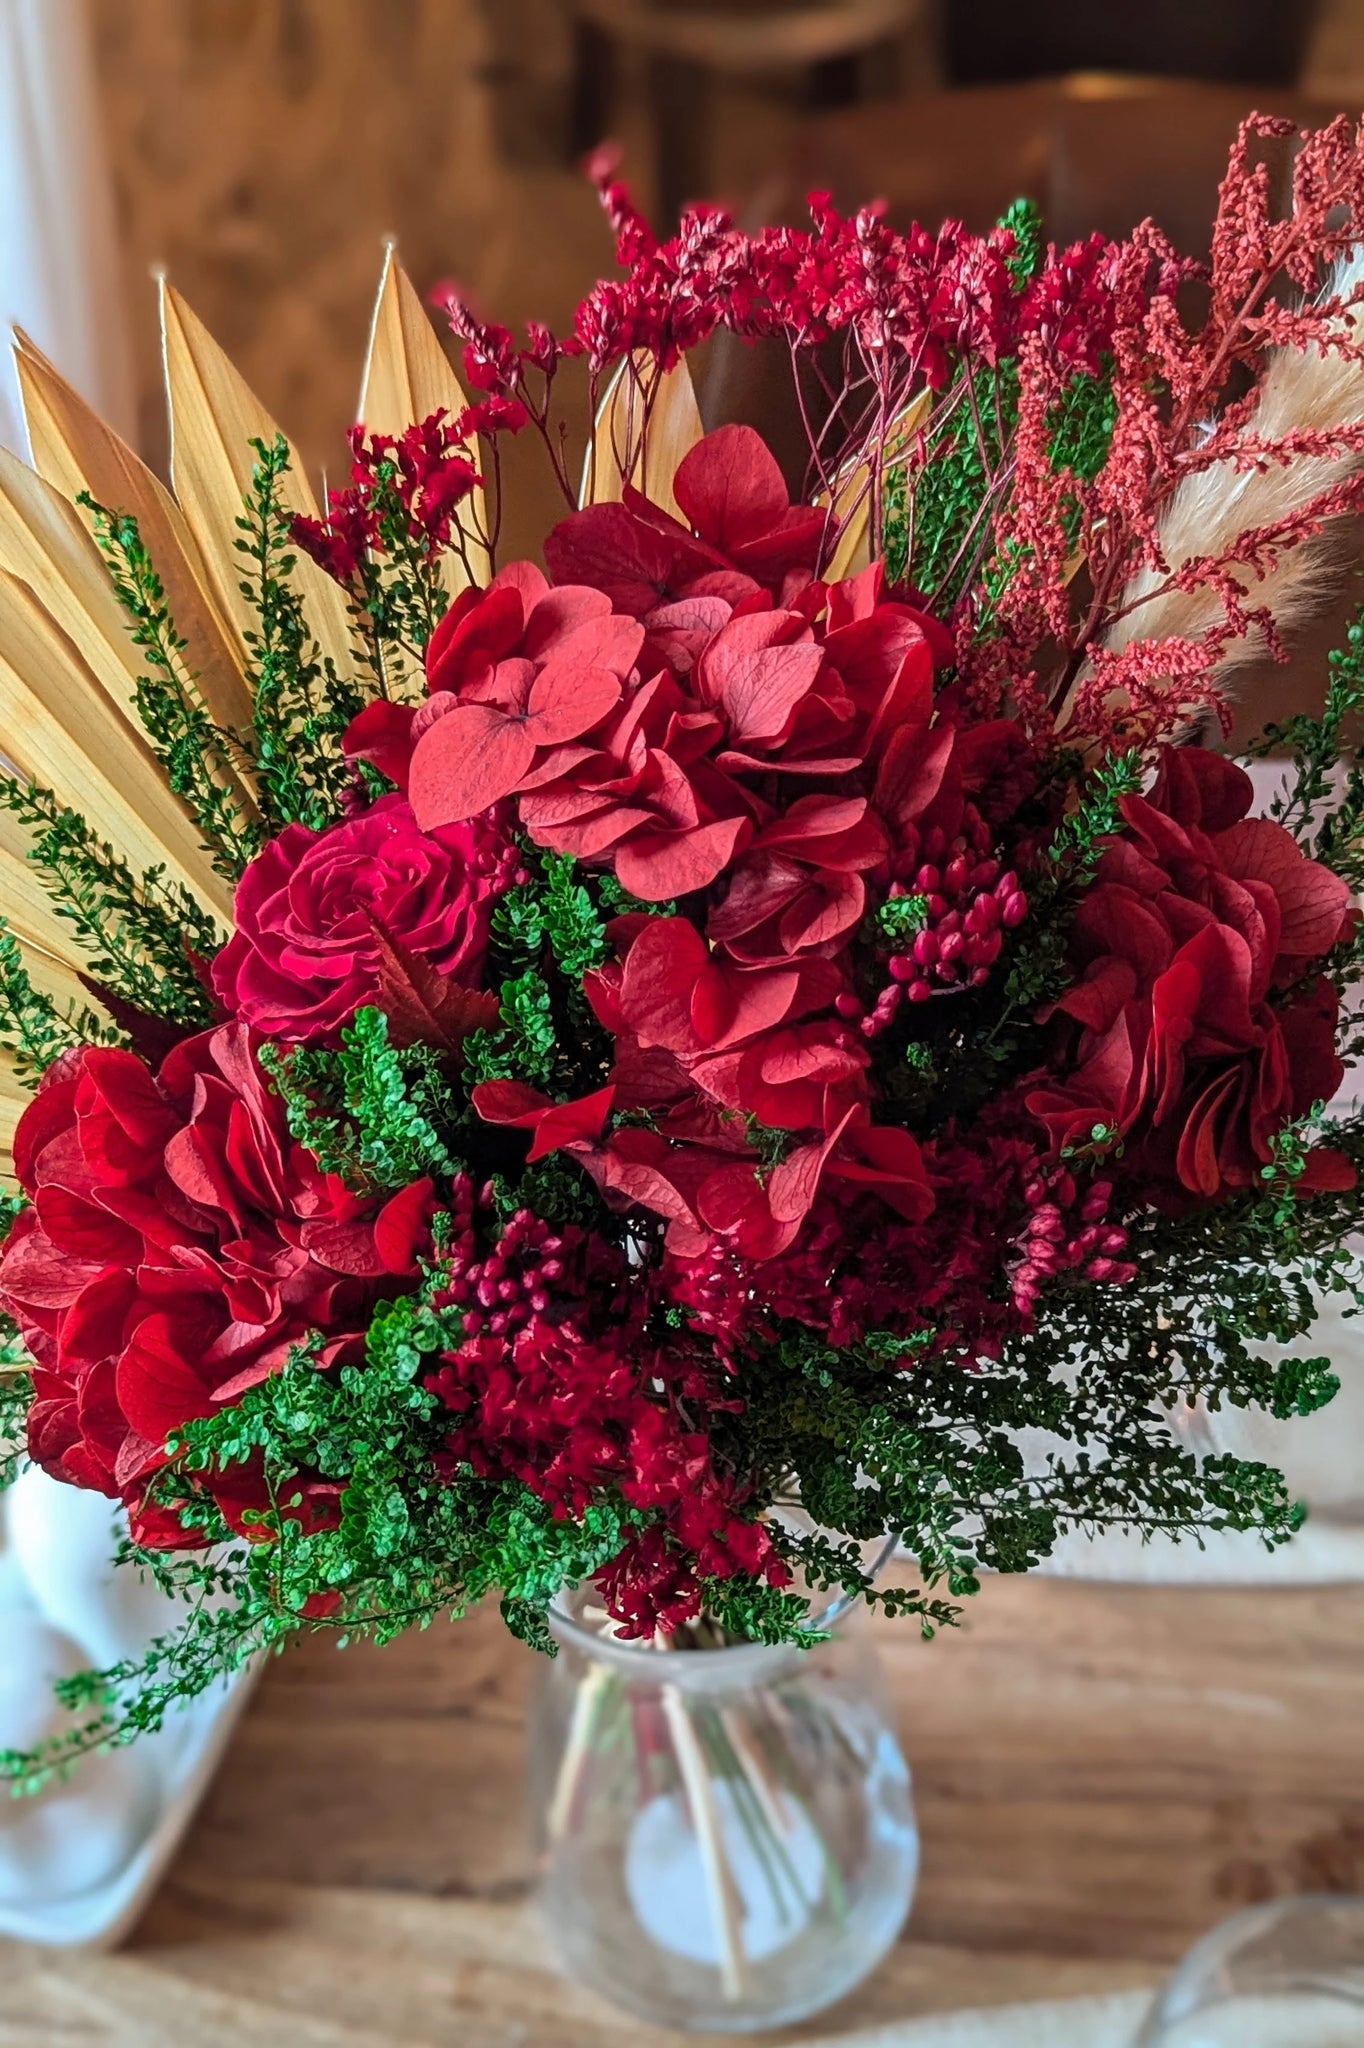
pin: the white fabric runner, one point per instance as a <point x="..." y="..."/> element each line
<point x="1074" y="2023"/>
<point x="1292" y="2022"/>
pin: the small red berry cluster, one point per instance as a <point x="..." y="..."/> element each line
<point x="968" y="900"/>
<point x="515" y="1281"/>
<point x="1067" y="1232"/>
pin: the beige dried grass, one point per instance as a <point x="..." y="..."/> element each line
<point x="1208" y="513"/>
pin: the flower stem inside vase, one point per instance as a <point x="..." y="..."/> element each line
<point x="726" y="1833"/>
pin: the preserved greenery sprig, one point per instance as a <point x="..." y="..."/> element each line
<point x="141" y="930"/>
<point x="202" y="762"/>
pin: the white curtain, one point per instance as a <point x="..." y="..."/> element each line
<point x="59" y="273"/>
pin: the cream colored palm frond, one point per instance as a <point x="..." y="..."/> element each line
<point x="68" y="666"/>
<point x="406" y="378"/>
<point x="74" y="449"/>
<point x="851" y="497"/>
<point x="620" y="452"/>
<point x="214" y="418"/>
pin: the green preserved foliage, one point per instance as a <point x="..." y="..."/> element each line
<point x="369" y="1112"/>
<point x="523" y="1045"/>
<point x="941" y="503"/>
<point x="16" y="1392"/>
<point x="408" y="1549"/>
<point x="34" y="1028"/>
<point x="140" y="930"/>
<point x="200" y="760"/>
<point x="301" y="707"/>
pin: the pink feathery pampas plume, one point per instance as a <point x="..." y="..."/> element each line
<point x="1303" y="391"/>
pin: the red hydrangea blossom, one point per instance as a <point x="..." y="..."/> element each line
<point x="1200" y="1023"/>
<point x="179" y="1243"/>
<point x="641" y="710"/>
<point x="310" y="908"/>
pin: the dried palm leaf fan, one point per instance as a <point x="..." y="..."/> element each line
<point x="69" y="665"/>
<point x="621" y="453"/>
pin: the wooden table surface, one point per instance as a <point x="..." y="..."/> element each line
<point x="1101" y="1773"/>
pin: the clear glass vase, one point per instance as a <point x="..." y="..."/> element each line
<point x="1286" y="1975"/>
<point x="725" y="1837"/>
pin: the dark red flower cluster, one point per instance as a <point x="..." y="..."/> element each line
<point x="558" y="1384"/>
<point x="179" y="1243"/>
<point x="420" y="479"/>
<point x="925" y="298"/>
<point x="1002" y="1222"/>
<point x="1201" y="1022"/>
<point x="692" y="706"/>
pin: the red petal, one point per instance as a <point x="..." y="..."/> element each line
<point x="469" y="760"/>
<point x="659" y="865"/>
<point x="728" y="1008"/>
<point x="567" y="699"/>
<point x="793" y="1185"/>
<point x="662" y="969"/>
<point x="466" y="642"/>
<point x="509" y="1102"/>
<point x="883" y="1157"/>
<point x="911" y="771"/>
<point x="1325" y="1172"/>
<point x="382" y="735"/>
<point x="1198" y="787"/>
<point x="608" y="547"/>
<point x="344" y="1247"/>
<point x="831" y="906"/>
<point x="157" y="1390"/>
<point x="638" y="1166"/>
<point x="572" y="1123"/>
<point x="1312" y="901"/>
<point x="403" y="1226"/>
<point x="730" y="487"/>
<point x="755" y="683"/>
<point x="556" y="1124"/>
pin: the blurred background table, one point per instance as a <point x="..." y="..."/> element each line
<point x="1101" y="1773"/>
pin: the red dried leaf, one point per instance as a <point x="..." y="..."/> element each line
<point x="424" y="1006"/>
<point x="150" y="1037"/>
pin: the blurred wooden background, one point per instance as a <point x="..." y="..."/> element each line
<point x="263" y="149"/>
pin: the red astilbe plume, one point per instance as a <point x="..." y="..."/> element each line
<point x="1199" y="532"/>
